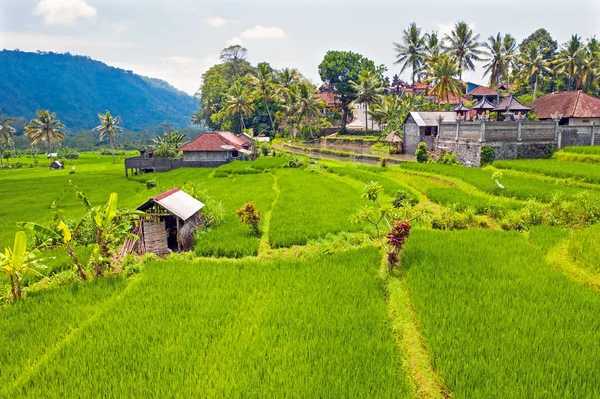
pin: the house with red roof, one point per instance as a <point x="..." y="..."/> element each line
<point x="484" y="93"/>
<point x="576" y="107"/>
<point x="215" y="146"/>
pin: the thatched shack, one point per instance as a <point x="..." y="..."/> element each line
<point x="171" y="222"/>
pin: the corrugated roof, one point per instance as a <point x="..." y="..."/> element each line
<point x="429" y="118"/>
<point x="571" y="104"/>
<point x="177" y="202"/>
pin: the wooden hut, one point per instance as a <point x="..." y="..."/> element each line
<point x="172" y="219"/>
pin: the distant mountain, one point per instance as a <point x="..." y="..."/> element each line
<point x="77" y="88"/>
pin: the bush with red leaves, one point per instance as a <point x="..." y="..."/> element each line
<point x="396" y="239"/>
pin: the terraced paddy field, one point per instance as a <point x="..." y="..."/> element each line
<point x="496" y="295"/>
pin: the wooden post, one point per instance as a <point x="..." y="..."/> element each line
<point x="593" y="132"/>
<point x="177" y="236"/>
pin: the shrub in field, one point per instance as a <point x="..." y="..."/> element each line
<point x="451" y="219"/>
<point x="16" y="261"/>
<point x="151" y="184"/>
<point x="421" y="153"/>
<point x="487" y="155"/>
<point x="448" y="158"/>
<point x="404" y="197"/>
<point x="68" y="153"/>
<point x="250" y="217"/>
<point x="383" y="162"/>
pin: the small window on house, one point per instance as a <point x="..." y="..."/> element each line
<point x="428" y="131"/>
<point x="234" y="154"/>
<point x="586" y="121"/>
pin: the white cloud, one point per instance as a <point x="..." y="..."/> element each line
<point x="216" y="22"/>
<point x="262" y="32"/>
<point x="64" y="12"/>
<point x="234" y="41"/>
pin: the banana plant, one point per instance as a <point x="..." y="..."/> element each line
<point x="60" y="235"/>
<point x="17" y="261"/>
<point x="112" y="227"/>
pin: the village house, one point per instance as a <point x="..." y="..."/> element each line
<point x="576" y="108"/>
<point x="423" y="126"/>
<point x="215" y="146"/>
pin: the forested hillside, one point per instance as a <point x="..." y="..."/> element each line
<point x="78" y="88"/>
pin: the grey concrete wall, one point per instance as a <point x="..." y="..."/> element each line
<point x="191" y="156"/>
<point x="469" y="153"/>
<point x="412" y="136"/>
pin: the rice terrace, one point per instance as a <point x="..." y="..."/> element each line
<point x="299" y="199"/>
<point x="498" y="299"/>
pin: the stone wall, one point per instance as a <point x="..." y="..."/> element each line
<point x="469" y="153"/>
<point x="579" y="135"/>
<point x="356" y="146"/>
<point x="412" y="136"/>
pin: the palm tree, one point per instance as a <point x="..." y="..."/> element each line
<point x="432" y="51"/>
<point x="444" y="81"/>
<point x="45" y="128"/>
<point x="497" y="63"/>
<point x="368" y="89"/>
<point x="464" y="45"/>
<point x="411" y="51"/>
<point x="7" y="134"/>
<point x="263" y="84"/>
<point x="590" y="65"/>
<point x="568" y="61"/>
<point x="510" y="55"/>
<point x="291" y="100"/>
<point x="196" y="118"/>
<point x="309" y="105"/>
<point x="287" y="77"/>
<point x="170" y="140"/>
<point x="534" y="65"/>
<point x="239" y="101"/>
<point x="388" y="109"/>
<point x="109" y="128"/>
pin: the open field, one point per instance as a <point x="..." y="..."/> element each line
<point x="550" y="167"/>
<point x="219" y="328"/>
<point x="306" y="309"/>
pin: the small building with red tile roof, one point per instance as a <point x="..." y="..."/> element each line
<point x="215" y="146"/>
<point x="576" y="107"/>
<point x="484" y="93"/>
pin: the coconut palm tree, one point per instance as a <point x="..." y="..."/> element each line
<point x="7" y="134"/>
<point x="262" y="80"/>
<point x="444" y="79"/>
<point x="590" y="71"/>
<point x="45" y="128"/>
<point x="309" y="105"/>
<point x="432" y="50"/>
<point x="534" y="65"/>
<point x="369" y="90"/>
<point x="568" y="61"/>
<point x="410" y="52"/>
<point x="109" y="129"/>
<point x="196" y="118"/>
<point x="239" y="101"/>
<point x="497" y="62"/>
<point x="287" y="77"/>
<point x="465" y="46"/>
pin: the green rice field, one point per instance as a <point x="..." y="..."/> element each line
<point x="307" y="308"/>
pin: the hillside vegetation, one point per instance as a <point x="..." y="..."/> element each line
<point x="78" y="88"/>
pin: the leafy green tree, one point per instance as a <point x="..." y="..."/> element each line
<point x="444" y="79"/>
<point x="534" y="65"/>
<point x="498" y="62"/>
<point x="338" y="68"/>
<point x="369" y="91"/>
<point x="546" y="45"/>
<point x="16" y="261"/>
<point x="45" y="128"/>
<point x="433" y="50"/>
<point x="109" y="129"/>
<point x="465" y="46"/>
<point x="569" y="60"/>
<point x="421" y="152"/>
<point x="411" y="51"/>
<point x="239" y="101"/>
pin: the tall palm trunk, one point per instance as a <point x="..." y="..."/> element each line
<point x="269" y="112"/>
<point x="112" y="144"/>
<point x="535" y="86"/>
<point x="366" y="116"/>
<point x="241" y="122"/>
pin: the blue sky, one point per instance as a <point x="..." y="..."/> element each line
<point x="177" y="40"/>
